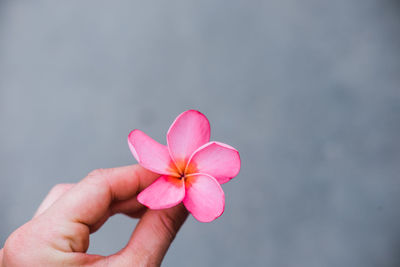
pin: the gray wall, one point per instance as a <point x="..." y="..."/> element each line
<point x="307" y="91"/>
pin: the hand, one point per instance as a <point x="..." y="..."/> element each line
<point x="58" y="235"/>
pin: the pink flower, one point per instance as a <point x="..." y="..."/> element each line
<point x="191" y="167"/>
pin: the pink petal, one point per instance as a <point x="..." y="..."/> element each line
<point x="165" y="192"/>
<point x="189" y="131"/>
<point x="204" y="197"/>
<point x="151" y="154"/>
<point x="219" y="160"/>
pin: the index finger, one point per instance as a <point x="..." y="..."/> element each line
<point x="90" y="199"/>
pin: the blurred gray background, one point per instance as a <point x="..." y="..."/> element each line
<point x="307" y="91"/>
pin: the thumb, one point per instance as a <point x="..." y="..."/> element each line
<point x="153" y="235"/>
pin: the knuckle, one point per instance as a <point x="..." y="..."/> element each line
<point x="79" y="240"/>
<point x="99" y="179"/>
<point x="12" y="242"/>
<point x="97" y="173"/>
<point x="60" y="187"/>
<point x="12" y="247"/>
<point x="101" y="173"/>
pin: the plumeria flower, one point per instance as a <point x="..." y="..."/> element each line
<point x="191" y="167"/>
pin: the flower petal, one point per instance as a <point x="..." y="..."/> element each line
<point x="189" y="131"/>
<point x="219" y="160"/>
<point x="165" y="192"/>
<point x="204" y="197"/>
<point x="151" y="154"/>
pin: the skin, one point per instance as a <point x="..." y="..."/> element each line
<point x="58" y="234"/>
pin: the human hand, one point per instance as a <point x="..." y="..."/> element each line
<point x="58" y="234"/>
